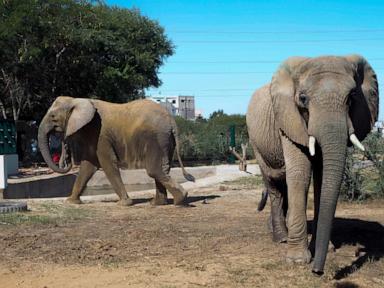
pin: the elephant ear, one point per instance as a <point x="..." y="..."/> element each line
<point x="287" y="115"/>
<point x="364" y="105"/>
<point x="82" y="113"/>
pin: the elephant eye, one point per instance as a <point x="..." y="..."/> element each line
<point x="303" y="98"/>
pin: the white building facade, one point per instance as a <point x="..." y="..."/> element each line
<point x="183" y="106"/>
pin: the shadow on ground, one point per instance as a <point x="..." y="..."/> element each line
<point x="193" y="199"/>
<point x="189" y="202"/>
<point x="367" y="236"/>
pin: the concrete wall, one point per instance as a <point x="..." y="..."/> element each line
<point x="58" y="185"/>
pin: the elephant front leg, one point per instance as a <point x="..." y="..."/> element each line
<point x="317" y="180"/>
<point x="108" y="161"/>
<point x="161" y="195"/>
<point x="87" y="169"/>
<point x="298" y="171"/>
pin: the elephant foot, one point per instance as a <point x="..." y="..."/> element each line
<point x="279" y="237"/>
<point x="279" y="232"/>
<point x="179" y="198"/>
<point x="157" y="201"/>
<point x="74" y="200"/>
<point x="125" y="202"/>
<point x="298" y="255"/>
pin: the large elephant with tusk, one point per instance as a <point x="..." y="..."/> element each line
<point x="302" y="122"/>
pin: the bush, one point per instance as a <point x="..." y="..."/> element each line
<point x="364" y="172"/>
<point x="209" y="139"/>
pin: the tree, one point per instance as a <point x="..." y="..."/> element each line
<point x="209" y="139"/>
<point x="218" y="113"/>
<point x="80" y="48"/>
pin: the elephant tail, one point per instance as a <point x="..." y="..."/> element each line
<point x="187" y="176"/>
<point x="263" y="201"/>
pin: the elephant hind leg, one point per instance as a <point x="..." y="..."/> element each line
<point x="161" y="194"/>
<point x="278" y="211"/>
<point x="178" y="192"/>
<point x="163" y="180"/>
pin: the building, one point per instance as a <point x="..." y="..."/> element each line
<point x="379" y="127"/>
<point x="183" y="106"/>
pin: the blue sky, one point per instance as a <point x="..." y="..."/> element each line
<point x="227" y="49"/>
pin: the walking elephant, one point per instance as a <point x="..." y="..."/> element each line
<point x="303" y="121"/>
<point x="139" y="134"/>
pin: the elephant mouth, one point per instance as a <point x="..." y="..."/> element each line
<point x="49" y="141"/>
<point x="57" y="128"/>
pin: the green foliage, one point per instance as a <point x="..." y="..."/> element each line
<point x="351" y="188"/>
<point x="80" y="48"/>
<point x="364" y="172"/>
<point x="375" y="153"/>
<point x="209" y="139"/>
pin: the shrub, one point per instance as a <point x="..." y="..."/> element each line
<point x="364" y="172"/>
<point x="209" y="139"/>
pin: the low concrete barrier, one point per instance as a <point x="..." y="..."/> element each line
<point x="43" y="186"/>
<point x="58" y="185"/>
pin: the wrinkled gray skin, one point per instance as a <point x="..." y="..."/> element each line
<point x="329" y="98"/>
<point x="139" y="134"/>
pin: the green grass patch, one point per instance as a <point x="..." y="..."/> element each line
<point x="250" y="182"/>
<point x="24" y="218"/>
<point x="65" y="212"/>
<point x="46" y="213"/>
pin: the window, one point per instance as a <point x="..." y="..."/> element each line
<point x="173" y="101"/>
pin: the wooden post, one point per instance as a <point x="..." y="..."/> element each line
<point x="243" y="158"/>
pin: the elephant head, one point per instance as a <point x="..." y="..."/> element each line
<point x="66" y="115"/>
<point x="332" y="101"/>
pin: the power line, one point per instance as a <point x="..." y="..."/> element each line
<point x="220" y="89"/>
<point x="275" y="32"/>
<point x="226" y="73"/>
<point x="200" y="94"/>
<point x="211" y="73"/>
<point x="217" y="96"/>
<point x="221" y="96"/>
<point x="243" y="61"/>
<point x="226" y="62"/>
<point x="275" y="41"/>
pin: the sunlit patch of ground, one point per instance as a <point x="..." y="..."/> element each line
<point x="218" y="241"/>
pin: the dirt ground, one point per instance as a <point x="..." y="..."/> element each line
<point x="218" y="241"/>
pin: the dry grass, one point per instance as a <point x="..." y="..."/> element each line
<point x="219" y="242"/>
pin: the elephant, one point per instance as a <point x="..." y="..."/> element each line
<point x="99" y="134"/>
<point x="300" y="125"/>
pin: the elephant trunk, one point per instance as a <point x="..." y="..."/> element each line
<point x="332" y="138"/>
<point x="44" y="129"/>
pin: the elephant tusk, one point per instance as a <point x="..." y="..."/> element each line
<point x="356" y="142"/>
<point x="311" y="144"/>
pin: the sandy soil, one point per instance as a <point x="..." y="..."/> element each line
<point x="219" y="241"/>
